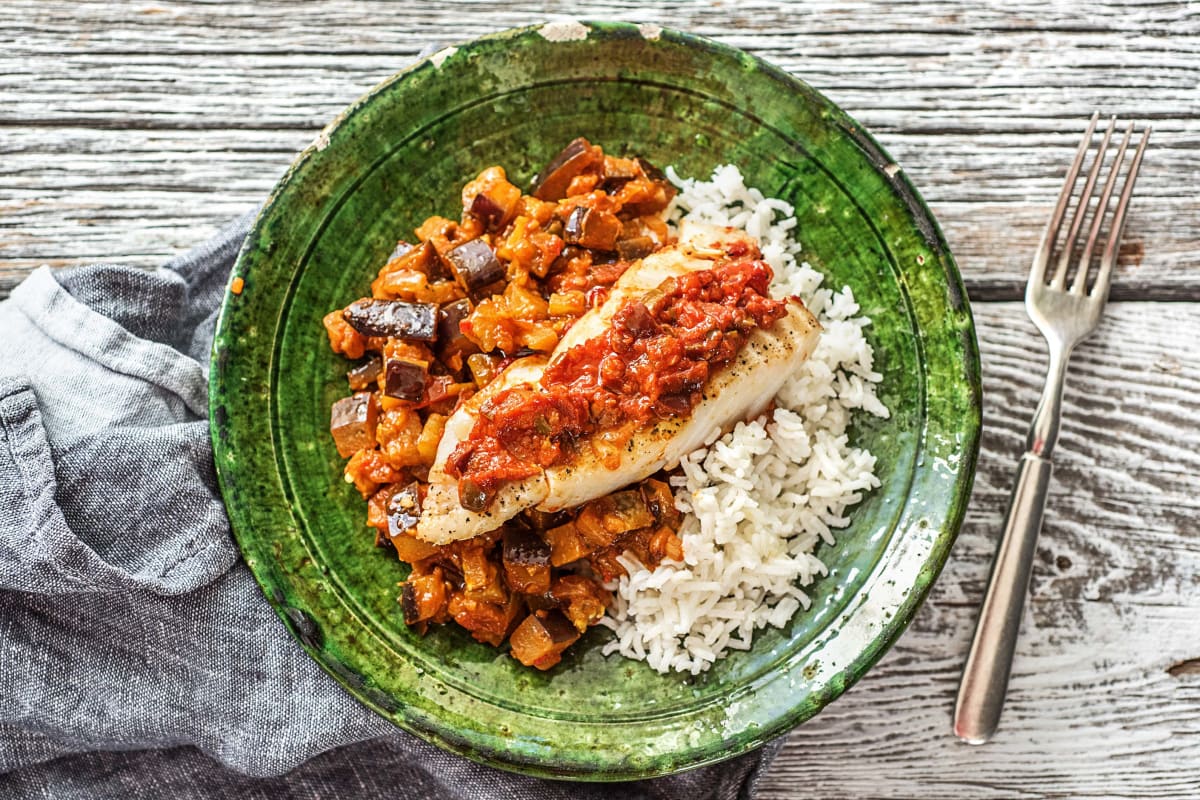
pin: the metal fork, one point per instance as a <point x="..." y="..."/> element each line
<point x="1065" y="316"/>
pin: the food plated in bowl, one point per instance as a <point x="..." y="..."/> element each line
<point x="383" y="169"/>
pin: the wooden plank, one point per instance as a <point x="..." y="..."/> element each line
<point x="981" y="105"/>
<point x="78" y="195"/>
<point x="279" y="25"/>
<point x="131" y="131"/>
<point x="1104" y="689"/>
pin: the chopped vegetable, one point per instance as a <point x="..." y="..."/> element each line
<point x="618" y="171"/>
<point x="352" y="423"/>
<point x="405" y="378"/>
<point x="635" y="247"/>
<point x="403" y="510"/>
<point x="483" y="367"/>
<point x="452" y="342"/>
<point x="606" y="518"/>
<point x="412" y="550"/>
<point x="566" y="545"/>
<point x="475" y="266"/>
<point x="544" y="520"/>
<point x="554" y="180"/>
<point x="541" y="638"/>
<point x="593" y="229"/>
<point x="605" y="564"/>
<point x="487" y="622"/>
<point x="442" y="392"/>
<point x="405" y="270"/>
<point x="365" y="375"/>
<point x="481" y="578"/>
<point x="584" y="600"/>
<point x="563" y="304"/>
<point x="526" y="560"/>
<point x="661" y="502"/>
<point x="423" y="597"/>
<point x="367" y="469"/>
<point x="343" y="338"/>
<point x="649" y="170"/>
<point x="491" y="199"/>
<point x="394" y="318"/>
<point x="665" y="544"/>
<point x="472" y="496"/>
<point x="431" y="434"/>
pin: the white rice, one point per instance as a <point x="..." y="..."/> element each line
<point x="758" y="500"/>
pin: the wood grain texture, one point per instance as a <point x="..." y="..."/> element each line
<point x="130" y="131"/>
<point x="1104" y="694"/>
<point x="181" y="112"/>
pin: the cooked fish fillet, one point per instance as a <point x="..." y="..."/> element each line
<point x="443" y="519"/>
<point x="740" y="390"/>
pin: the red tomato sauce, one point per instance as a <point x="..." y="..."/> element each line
<point x="651" y="363"/>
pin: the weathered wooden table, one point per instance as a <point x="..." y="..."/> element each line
<point x="130" y="131"/>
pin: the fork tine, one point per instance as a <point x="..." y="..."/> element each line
<point x="1109" y="259"/>
<point x="1037" y="274"/>
<point x="1081" y="210"/>
<point x="1085" y="259"/>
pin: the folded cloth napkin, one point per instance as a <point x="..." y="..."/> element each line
<point x="138" y="659"/>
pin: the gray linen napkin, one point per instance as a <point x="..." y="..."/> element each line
<point x="138" y="658"/>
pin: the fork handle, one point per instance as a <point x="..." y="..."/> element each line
<point x="985" y="675"/>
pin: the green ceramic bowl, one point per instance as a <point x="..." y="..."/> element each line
<point x="399" y="155"/>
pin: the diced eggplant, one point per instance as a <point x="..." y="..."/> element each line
<point x="649" y="170"/>
<point x="405" y="378"/>
<point x="544" y="520"/>
<point x="352" y="423"/>
<point x="365" y="374"/>
<point x="475" y="266"/>
<point x="423" y="597"/>
<point x="495" y="211"/>
<point x="541" y="638"/>
<point x="402" y="247"/>
<point x="523" y="546"/>
<point x="566" y="545"/>
<point x="442" y="393"/>
<point x="491" y="198"/>
<point x="451" y="340"/>
<point x="559" y="628"/>
<point x="382" y="540"/>
<point x="661" y="502"/>
<point x="603" y="520"/>
<point x="526" y="561"/>
<point x="552" y="182"/>
<point x="408" y="601"/>
<point x="617" y="172"/>
<point x="635" y="247"/>
<point x="481" y="578"/>
<point x="662" y="192"/>
<point x="394" y="318"/>
<point x="540" y="602"/>
<point x="583" y="600"/>
<point x="410" y="549"/>
<point x="404" y="511"/>
<point x="592" y="229"/>
<point x="487" y="622"/>
<point x="486" y="210"/>
<point x="420" y="258"/>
